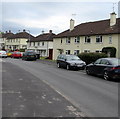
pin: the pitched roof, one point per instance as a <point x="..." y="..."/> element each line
<point x="43" y="37"/>
<point x="92" y="28"/>
<point x="7" y="35"/>
<point x="21" y="35"/>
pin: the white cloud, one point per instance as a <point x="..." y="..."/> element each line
<point x="60" y="1"/>
<point x="53" y="22"/>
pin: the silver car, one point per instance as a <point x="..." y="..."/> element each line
<point x="3" y="54"/>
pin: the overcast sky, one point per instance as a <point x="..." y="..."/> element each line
<point x="37" y="15"/>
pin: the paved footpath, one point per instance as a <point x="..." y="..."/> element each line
<point x="24" y="95"/>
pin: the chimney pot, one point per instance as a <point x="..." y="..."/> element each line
<point x="50" y="31"/>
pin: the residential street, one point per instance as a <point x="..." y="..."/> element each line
<point x="40" y="89"/>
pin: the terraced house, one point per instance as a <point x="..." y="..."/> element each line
<point x="18" y="40"/>
<point x="3" y="37"/>
<point x="43" y="44"/>
<point x="89" y="37"/>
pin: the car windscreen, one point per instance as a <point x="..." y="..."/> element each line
<point x="18" y="52"/>
<point x="115" y="61"/>
<point x="69" y="58"/>
<point x="31" y="53"/>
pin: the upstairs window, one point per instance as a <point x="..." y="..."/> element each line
<point x="43" y="44"/>
<point x="110" y="39"/>
<point x="38" y="43"/>
<point x="68" y="40"/>
<point x="34" y="43"/>
<point x="77" y="39"/>
<point x="98" y="39"/>
<point x="87" y="39"/>
<point x="61" y="40"/>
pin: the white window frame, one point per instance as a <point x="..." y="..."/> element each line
<point x="43" y="43"/>
<point x="77" y="39"/>
<point x="68" y="40"/>
<point x="110" y="39"/>
<point x="67" y="52"/>
<point x="98" y="51"/>
<point x="76" y="52"/>
<point x="87" y="39"/>
<point x="87" y="51"/>
<point x="99" y="39"/>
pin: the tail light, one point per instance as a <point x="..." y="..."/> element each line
<point x="113" y="68"/>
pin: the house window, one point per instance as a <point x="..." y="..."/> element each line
<point x="87" y="39"/>
<point x="110" y="39"/>
<point x="34" y="44"/>
<point x="68" y="40"/>
<point x="86" y="51"/>
<point x="61" y="40"/>
<point x="98" y="51"/>
<point x="38" y="44"/>
<point x="42" y="43"/>
<point x="76" y="52"/>
<point x="77" y="39"/>
<point x="67" y="52"/>
<point x="30" y="43"/>
<point x="98" y="39"/>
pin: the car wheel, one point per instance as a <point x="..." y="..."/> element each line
<point x="106" y="77"/>
<point x="87" y="71"/>
<point x="58" y="65"/>
<point x="68" y="67"/>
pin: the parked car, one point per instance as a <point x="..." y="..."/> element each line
<point x="16" y="54"/>
<point x="9" y="54"/>
<point x="29" y="55"/>
<point x="3" y="54"/>
<point x="70" y="62"/>
<point x="109" y="68"/>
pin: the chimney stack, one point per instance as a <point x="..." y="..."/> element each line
<point x="50" y="31"/>
<point x="112" y="19"/>
<point x="72" y="22"/>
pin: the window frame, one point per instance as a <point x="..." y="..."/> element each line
<point x="99" y="39"/>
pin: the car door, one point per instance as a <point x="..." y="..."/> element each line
<point x="95" y="67"/>
<point x="102" y="65"/>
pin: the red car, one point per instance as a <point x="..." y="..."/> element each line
<point x="16" y="54"/>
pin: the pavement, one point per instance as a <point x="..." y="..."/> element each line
<point x="24" y="95"/>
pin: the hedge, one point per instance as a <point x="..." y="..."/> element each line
<point x="91" y="57"/>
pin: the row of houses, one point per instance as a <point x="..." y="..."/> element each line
<point x="85" y="37"/>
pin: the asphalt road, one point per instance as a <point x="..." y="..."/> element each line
<point x="94" y="96"/>
<point x="24" y="95"/>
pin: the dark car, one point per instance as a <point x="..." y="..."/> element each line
<point x="70" y="62"/>
<point x="29" y="55"/>
<point x="109" y="68"/>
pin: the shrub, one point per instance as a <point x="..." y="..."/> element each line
<point x="91" y="57"/>
<point x="22" y="50"/>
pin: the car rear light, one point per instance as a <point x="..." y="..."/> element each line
<point x="113" y="68"/>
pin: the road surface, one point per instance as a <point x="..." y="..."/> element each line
<point x="94" y="96"/>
